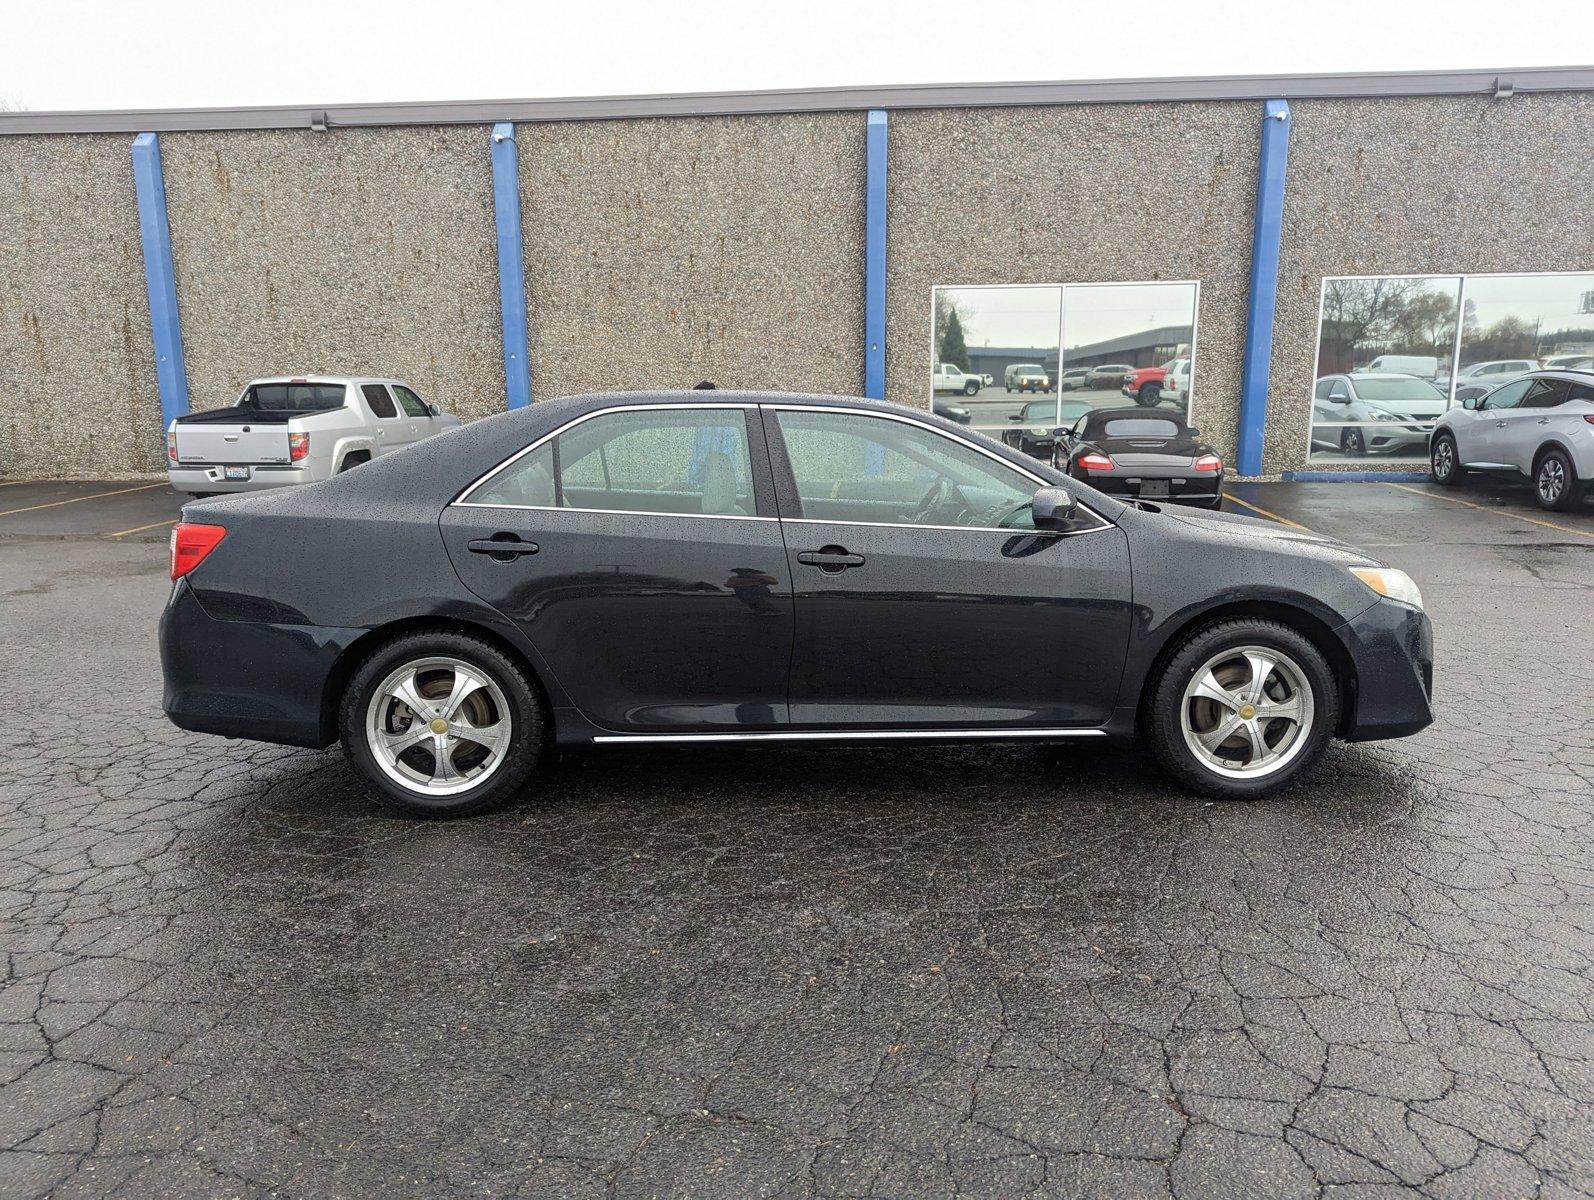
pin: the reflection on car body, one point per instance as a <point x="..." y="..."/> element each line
<point x="1360" y="414"/>
<point x="1128" y="451"/>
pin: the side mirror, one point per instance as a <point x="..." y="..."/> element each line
<point x="1016" y="417"/>
<point x="1052" y="508"/>
<point x="1470" y="403"/>
<point x="434" y="410"/>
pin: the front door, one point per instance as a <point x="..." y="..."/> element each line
<point x="639" y="552"/>
<point x="924" y="596"/>
<point x="1493" y="420"/>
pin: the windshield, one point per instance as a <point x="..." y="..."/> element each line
<point x="1140" y="427"/>
<point x="1397" y="389"/>
<point x="293" y="397"/>
<point x="1039" y="413"/>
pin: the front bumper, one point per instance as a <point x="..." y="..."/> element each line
<point x="1391" y="647"/>
<point x="247" y="679"/>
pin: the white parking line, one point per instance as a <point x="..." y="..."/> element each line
<point x="79" y="499"/>
<point x="1499" y="512"/>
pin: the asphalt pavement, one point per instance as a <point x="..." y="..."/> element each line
<point x="913" y="971"/>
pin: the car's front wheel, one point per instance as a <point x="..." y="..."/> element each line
<point x="1242" y="708"/>
<point x="971" y="389"/>
<point x="1149" y="396"/>
<point x="1555" y="482"/>
<point x="442" y="723"/>
<point x="1444" y="464"/>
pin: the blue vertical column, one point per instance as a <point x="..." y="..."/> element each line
<point x="171" y="374"/>
<point x="511" y="266"/>
<point x="874" y="260"/>
<point x="1263" y="302"/>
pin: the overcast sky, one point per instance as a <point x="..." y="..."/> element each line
<point x="68" y="54"/>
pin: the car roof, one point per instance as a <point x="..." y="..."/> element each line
<point x="343" y="379"/>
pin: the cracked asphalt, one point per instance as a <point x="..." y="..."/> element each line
<point x="917" y="971"/>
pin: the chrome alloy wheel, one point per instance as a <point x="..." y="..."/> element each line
<point x="1444" y="459"/>
<point x="438" y="726"/>
<point x="1247" y="712"/>
<point x="1551" y="480"/>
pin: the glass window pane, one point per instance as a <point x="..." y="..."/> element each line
<point x="880" y="471"/>
<point x="376" y="396"/>
<point x="411" y="403"/>
<point x="527" y="482"/>
<point x="1129" y="344"/>
<point x="1392" y="339"/>
<point x="1516" y="323"/>
<point x="995" y="355"/>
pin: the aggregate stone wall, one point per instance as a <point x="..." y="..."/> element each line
<point x="664" y="252"/>
<point x="1443" y="185"/>
<point x="351" y="251"/>
<point x="1070" y="194"/>
<point x="77" y="372"/>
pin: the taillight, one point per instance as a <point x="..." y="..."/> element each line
<point x="171" y="445"/>
<point x="298" y="446"/>
<point x="1589" y="419"/>
<point x="190" y="545"/>
<point x="1095" y="462"/>
<point x="1208" y="463"/>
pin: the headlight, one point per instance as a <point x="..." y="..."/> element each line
<point x="1390" y="583"/>
<point x="1382" y="414"/>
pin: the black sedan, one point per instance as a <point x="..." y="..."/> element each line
<point x="708" y="567"/>
<point x="1127" y="452"/>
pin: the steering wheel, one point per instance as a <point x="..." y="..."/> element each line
<point x="942" y="493"/>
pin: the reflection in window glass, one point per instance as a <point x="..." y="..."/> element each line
<point x="995" y="348"/>
<point x="998" y="363"/>
<point x="1385" y="349"/>
<point x="1129" y="344"/>
<point x="1396" y="351"/>
<point x="1516" y="323"/>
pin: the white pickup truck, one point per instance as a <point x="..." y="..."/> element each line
<point x="301" y="430"/>
<point x="949" y="378"/>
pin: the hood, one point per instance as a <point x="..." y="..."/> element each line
<point x="1282" y="537"/>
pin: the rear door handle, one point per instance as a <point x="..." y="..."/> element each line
<point x="504" y="548"/>
<point x="832" y="559"/>
<point x="1544" y="420"/>
<point x="1499" y="424"/>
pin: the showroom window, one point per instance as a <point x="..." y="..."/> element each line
<point x="1017" y="362"/>
<point x="1395" y="351"/>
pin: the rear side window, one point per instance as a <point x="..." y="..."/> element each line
<point x="1545" y="393"/>
<point x="294" y="397"/>
<point x="1581" y="391"/>
<point x="381" y="403"/>
<point x="413" y="405"/>
<point x="691" y="462"/>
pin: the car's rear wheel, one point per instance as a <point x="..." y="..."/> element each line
<point x="1444" y="464"/>
<point x="441" y="723"/>
<point x="1555" y="482"/>
<point x="1242" y="708"/>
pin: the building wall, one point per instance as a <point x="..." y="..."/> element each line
<point x="1441" y="185"/>
<point x="1106" y="193"/>
<point x="77" y="374"/>
<point x="664" y="252"/>
<point x="353" y="251"/>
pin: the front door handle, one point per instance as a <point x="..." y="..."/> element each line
<point x="1544" y="420"/>
<point x="505" y="547"/>
<point x="831" y="559"/>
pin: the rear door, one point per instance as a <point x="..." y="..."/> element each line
<point x="1530" y="425"/>
<point x="924" y="596"/>
<point x="639" y="551"/>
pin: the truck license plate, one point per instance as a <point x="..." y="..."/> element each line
<point x="231" y="473"/>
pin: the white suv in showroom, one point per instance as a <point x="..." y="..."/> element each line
<point x="1540" y="425"/>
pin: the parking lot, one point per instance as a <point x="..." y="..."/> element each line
<point x="914" y="971"/>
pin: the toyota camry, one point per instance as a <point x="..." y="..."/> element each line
<point x="710" y="567"/>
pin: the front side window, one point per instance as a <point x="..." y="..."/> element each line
<point x="1507" y="395"/>
<point x="690" y="462"/>
<point x="412" y="404"/>
<point x="874" y="470"/>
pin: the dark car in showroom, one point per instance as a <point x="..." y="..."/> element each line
<point x="700" y="568"/>
<point x="1145" y="455"/>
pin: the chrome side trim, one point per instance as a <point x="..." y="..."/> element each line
<point x="1008" y="530"/>
<point x="846" y="735"/>
<point x="614" y="512"/>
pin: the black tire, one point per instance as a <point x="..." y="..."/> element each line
<point x="353" y="459"/>
<point x="1149" y="396"/>
<point x="1162" y="724"/>
<point x="971" y="389"/>
<point x="527" y="745"/>
<point x="1444" y="462"/>
<point x="1556" y="486"/>
<point x="1353" y="443"/>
